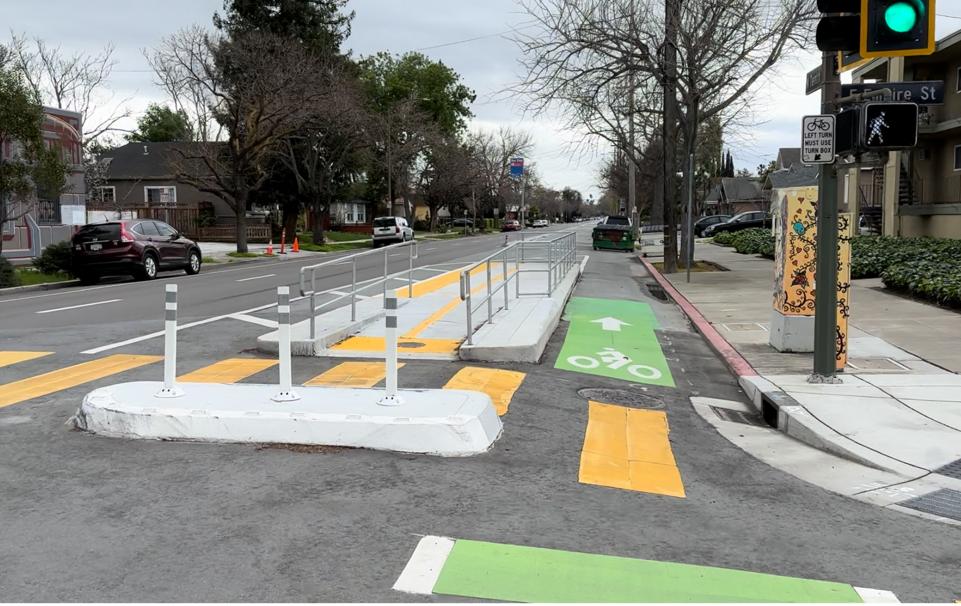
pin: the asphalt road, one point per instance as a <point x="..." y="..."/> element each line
<point x="87" y="518"/>
<point x="221" y="289"/>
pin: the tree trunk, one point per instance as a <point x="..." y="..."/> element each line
<point x="433" y="220"/>
<point x="670" y="143"/>
<point x="291" y="209"/>
<point x="240" y="221"/>
<point x="317" y="207"/>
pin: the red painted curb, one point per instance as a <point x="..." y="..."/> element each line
<point x="734" y="361"/>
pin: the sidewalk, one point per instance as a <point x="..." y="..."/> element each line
<point x="898" y="408"/>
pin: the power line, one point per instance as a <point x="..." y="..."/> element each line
<point x="510" y="31"/>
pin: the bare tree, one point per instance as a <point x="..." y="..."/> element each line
<point x="448" y="177"/>
<point x="262" y="89"/>
<point x="398" y="140"/>
<point x="79" y="82"/>
<point x="494" y="151"/>
<point x="176" y="62"/>
<point x="582" y="55"/>
<point x="319" y="155"/>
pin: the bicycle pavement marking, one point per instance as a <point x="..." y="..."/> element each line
<point x="615" y="339"/>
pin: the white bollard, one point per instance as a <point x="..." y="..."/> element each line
<point x="170" y="389"/>
<point x="287" y="394"/>
<point x="390" y="338"/>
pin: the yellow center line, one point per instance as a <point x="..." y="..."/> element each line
<point x="500" y="385"/>
<point x="13" y="357"/>
<point x="352" y="374"/>
<point x="228" y="371"/>
<point x="628" y="448"/>
<point x="443" y="311"/>
<point x="65" y="378"/>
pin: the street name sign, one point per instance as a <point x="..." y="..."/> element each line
<point x="814" y="80"/>
<point x="928" y="92"/>
<point x="817" y="139"/>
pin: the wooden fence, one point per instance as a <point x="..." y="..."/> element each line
<point x="183" y="218"/>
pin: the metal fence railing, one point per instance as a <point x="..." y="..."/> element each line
<point x="352" y="259"/>
<point x="557" y="253"/>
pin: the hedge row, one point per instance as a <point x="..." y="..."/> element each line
<point x="928" y="268"/>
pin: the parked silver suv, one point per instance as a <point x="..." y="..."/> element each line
<point x="391" y="230"/>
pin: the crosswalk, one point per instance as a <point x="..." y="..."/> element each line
<point x="499" y="384"/>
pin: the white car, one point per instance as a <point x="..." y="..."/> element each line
<point x="541" y="223"/>
<point x="391" y="230"/>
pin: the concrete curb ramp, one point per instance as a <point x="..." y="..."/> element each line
<point x="439" y="422"/>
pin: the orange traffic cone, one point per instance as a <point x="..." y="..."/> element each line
<point x="296" y="245"/>
<point x="270" y="247"/>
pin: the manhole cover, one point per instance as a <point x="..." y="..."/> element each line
<point x="621" y="397"/>
<point x="952" y="470"/>
<point x="410" y="344"/>
<point x="743" y="327"/>
<point x="945" y="503"/>
<point x="738" y="416"/>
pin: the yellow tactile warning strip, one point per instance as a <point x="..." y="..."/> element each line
<point x="628" y="448"/>
<point x="13" y="357"/>
<point x="65" y="378"/>
<point x="431" y="346"/>
<point x="500" y="385"/>
<point x="415" y="332"/>
<point x="227" y="371"/>
<point x="352" y="374"/>
<point x="436" y="283"/>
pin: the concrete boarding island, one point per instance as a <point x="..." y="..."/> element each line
<point x="516" y="301"/>
<point x="434" y="422"/>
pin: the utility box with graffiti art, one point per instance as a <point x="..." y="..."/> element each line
<point x="795" y="266"/>
<point x="795" y="263"/>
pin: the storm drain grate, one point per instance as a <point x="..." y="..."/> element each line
<point x="952" y="470"/>
<point x="945" y="503"/>
<point x="738" y="416"/>
<point x="620" y="397"/>
<point x="657" y="291"/>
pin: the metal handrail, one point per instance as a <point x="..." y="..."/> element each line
<point x="560" y="257"/>
<point x="352" y="259"/>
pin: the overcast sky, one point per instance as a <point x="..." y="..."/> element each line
<point x="441" y="29"/>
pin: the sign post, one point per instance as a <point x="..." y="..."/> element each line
<point x="517" y="171"/>
<point x="817" y="139"/>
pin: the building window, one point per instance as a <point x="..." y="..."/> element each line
<point x="48" y="208"/>
<point x="957" y="157"/>
<point x="106" y="195"/>
<point x="160" y="195"/>
<point x="355" y="214"/>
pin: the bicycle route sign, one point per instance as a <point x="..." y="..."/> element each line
<point x="613" y="339"/>
<point x="817" y="139"/>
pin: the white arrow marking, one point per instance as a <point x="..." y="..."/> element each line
<point x="611" y="324"/>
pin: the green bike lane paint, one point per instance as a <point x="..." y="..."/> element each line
<point x="528" y="574"/>
<point x="614" y="339"/>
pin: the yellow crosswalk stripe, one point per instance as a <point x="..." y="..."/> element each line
<point x="65" y="378"/>
<point x="628" y="448"/>
<point x="500" y="385"/>
<point x="227" y="371"/>
<point x="13" y="357"/>
<point x="352" y="374"/>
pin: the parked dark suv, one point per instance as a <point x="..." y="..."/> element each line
<point x="139" y="247"/>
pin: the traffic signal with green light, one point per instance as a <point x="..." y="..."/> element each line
<point x="897" y="28"/>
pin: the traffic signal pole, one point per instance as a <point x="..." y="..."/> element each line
<point x="826" y="296"/>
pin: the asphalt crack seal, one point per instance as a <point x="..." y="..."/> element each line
<point x="621" y="397"/>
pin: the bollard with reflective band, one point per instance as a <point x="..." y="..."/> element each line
<point x="391" y="398"/>
<point x="287" y="394"/>
<point x="170" y="389"/>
